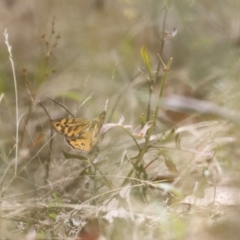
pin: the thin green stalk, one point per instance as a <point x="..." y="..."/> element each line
<point x="162" y="39"/>
<point x="145" y="147"/>
<point x="151" y="82"/>
<point x="166" y="70"/>
<point x="149" y="99"/>
<point x="139" y="158"/>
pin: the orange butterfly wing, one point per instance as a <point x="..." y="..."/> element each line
<point x="80" y="134"/>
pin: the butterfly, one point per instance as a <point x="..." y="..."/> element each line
<point x="80" y="133"/>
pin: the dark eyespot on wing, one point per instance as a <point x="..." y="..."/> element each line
<point x="78" y="144"/>
<point x="57" y="126"/>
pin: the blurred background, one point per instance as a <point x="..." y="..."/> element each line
<point x="101" y="40"/>
<point x="98" y="51"/>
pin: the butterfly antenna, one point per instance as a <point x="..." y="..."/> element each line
<point x="61" y="106"/>
<point x="45" y="110"/>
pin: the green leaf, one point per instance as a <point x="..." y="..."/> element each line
<point x="146" y="60"/>
<point x="169" y="163"/>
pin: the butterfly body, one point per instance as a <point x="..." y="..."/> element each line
<point x="81" y="134"/>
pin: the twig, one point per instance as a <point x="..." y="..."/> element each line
<point x="61" y="106"/>
<point x="9" y="48"/>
